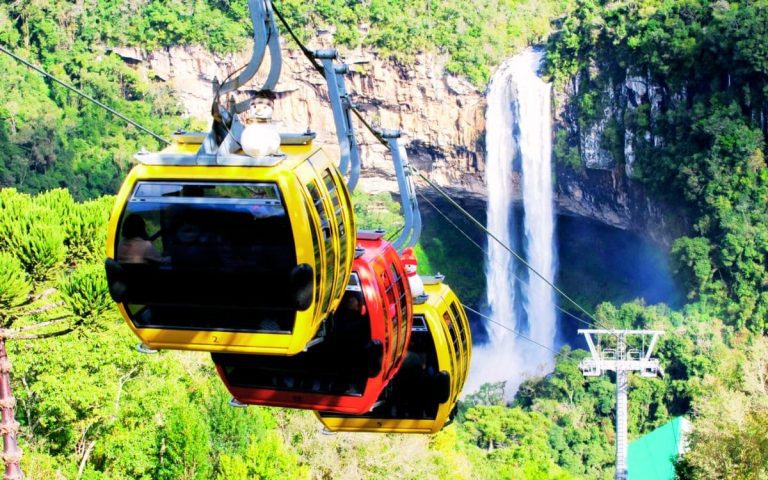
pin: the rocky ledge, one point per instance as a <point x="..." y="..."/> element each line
<point x="441" y="115"/>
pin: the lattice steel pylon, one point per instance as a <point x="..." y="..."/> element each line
<point x="622" y="360"/>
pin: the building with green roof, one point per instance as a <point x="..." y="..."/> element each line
<point x="652" y="456"/>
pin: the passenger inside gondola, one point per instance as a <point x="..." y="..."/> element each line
<point x="414" y="393"/>
<point x="337" y="365"/>
<point x="222" y="258"/>
<point x="135" y="246"/>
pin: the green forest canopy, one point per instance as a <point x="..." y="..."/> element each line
<point x="89" y="393"/>
<point x="89" y="402"/>
<point x="704" y="147"/>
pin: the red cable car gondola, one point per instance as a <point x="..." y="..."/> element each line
<point x="347" y="366"/>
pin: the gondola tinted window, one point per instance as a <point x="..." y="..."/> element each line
<point x="391" y="316"/>
<point x="210" y="256"/>
<point x="451" y="323"/>
<point x="314" y="230"/>
<point x="334" y="195"/>
<point x="462" y="332"/>
<point x="410" y="394"/>
<point x="403" y="302"/>
<point x="325" y="226"/>
<point x="336" y="366"/>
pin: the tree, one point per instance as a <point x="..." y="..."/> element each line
<point x="516" y="441"/>
<point x="31" y="308"/>
<point x="730" y="434"/>
<point x="265" y="458"/>
<point x="488" y="394"/>
<point x="184" y="445"/>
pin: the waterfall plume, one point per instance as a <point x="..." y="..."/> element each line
<point x="518" y="138"/>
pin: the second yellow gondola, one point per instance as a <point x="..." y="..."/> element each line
<point x="241" y="257"/>
<point x="422" y="396"/>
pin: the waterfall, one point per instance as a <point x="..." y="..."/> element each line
<point x="500" y="144"/>
<point x="536" y="154"/>
<point x="518" y="138"/>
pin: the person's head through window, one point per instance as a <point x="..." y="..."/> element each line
<point x="135" y="246"/>
<point x="134" y="227"/>
<point x="353" y="304"/>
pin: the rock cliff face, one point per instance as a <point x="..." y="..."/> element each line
<point x="609" y="196"/>
<point x="443" y="118"/>
<point x="607" y="139"/>
<point x="623" y="110"/>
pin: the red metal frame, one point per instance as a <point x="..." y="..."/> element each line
<point x="376" y="270"/>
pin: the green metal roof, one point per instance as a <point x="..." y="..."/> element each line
<point x="652" y="456"/>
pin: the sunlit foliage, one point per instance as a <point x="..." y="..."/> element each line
<point x="700" y="141"/>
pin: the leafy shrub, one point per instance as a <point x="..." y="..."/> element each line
<point x="30" y="229"/>
<point x="14" y="284"/>
<point x="45" y="230"/>
<point x="12" y="206"/>
<point x="86" y="230"/>
<point x="58" y="201"/>
<point x="36" y="238"/>
<point x="85" y="292"/>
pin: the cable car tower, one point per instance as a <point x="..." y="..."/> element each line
<point x="622" y="360"/>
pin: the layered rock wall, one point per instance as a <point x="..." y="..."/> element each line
<point x="443" y="118"/>
<point x="624" y="109"/>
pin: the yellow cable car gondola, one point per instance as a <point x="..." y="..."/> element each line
<point x="423" y="395"/>
<point x="237" y="240"/>
<point x="242" y="254"/>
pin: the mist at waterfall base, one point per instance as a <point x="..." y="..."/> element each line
<point x="600" y="263"/>
<point x="596" y="263"/>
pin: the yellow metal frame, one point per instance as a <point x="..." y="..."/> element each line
<point x="286" y="174"/>
<point x="312" y="170"/>
<point x="440" y="297"/>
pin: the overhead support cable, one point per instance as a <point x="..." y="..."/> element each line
<point x="307" y="52"/>
<point x="518" y="333"/>
<point x="477" y="223"/>
<point x="310" y="56"/>
<point x="480" y="247"/>
<point x="84" y="95"/>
